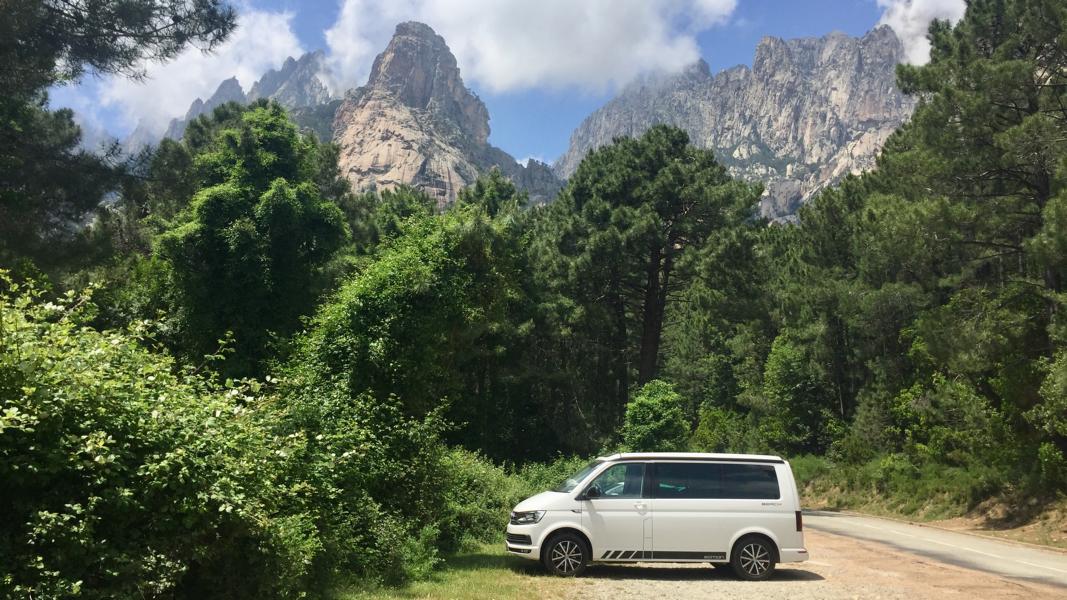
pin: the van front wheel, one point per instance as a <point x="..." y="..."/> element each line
<point x="566" y="555"/>
<point x="753" y="558"/>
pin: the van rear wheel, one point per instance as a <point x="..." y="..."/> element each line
<point x="566" y="555"/>
<point x="753" y="558"/>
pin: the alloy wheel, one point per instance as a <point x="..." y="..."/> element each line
<point x="755" y="559"/>
<point x="566" y="556"/>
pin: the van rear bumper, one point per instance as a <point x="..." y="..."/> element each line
<point x="790" y="555"/>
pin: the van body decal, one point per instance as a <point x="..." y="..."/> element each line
<point x="661" y="555"/>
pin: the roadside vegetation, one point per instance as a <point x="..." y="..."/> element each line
<point x="224" y="374"/>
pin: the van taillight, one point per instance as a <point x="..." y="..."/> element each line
<point x="800" y="521"/>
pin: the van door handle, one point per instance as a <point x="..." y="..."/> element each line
<point x="640" y="506"/>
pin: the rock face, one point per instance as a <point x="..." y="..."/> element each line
<point x="228" y="91"/>
<point x="296" y="85"/>
<point x="807" y="113"/>
<point x="415" y="123"/>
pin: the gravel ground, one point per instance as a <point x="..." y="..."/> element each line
<point x="841" y="567"/>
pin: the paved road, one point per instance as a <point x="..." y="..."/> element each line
<point x="992" y="556"/>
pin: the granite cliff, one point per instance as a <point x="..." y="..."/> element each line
<point x="808" y="112"/>
<point x="415" y="123"/>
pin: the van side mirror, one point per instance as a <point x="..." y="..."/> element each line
<point x="591" y="492"/>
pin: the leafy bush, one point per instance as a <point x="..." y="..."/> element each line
<point x="898" y="483"/>
<point x="370" y="478"/>
<point x="538" y="477"/>
<point x="655" y="420"/>
<point x="128" y="477"/>
<point x="809" y="468"/>
<point x="478" y="497"/>
<point x="723" y="430"/>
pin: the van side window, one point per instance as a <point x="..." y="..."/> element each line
<point x="621" y="481"/>
<point x="716" y="481"/>
<point x="752" y="482"/>
<point x="687" y="480"/>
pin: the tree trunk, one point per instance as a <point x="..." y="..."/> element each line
<point x="655" y="305"/>
<point x="621" y="350"/>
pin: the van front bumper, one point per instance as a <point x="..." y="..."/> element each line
<point x="519" y="540"/>
<point x="790" y="555"/>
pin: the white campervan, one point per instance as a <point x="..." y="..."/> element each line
<point x="740" y="510"/>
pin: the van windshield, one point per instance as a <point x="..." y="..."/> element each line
<point x="573" y="481"/>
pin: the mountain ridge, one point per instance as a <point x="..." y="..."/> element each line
<point x="806" y="113"/>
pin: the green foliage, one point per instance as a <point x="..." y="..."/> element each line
<point x="796" y="415"/>
<point x="369" y="479"/>
<point x="897" y="484"/>
<point x="247" y="255"/>
<point x="479" y="495"/>
<point x="655" y="420"/>
<point x="47" y="186"/>
<point x="439" y="315"/>
<point x="52" y="41"/>
<point x="725" y="430"/>
<point x="905" y="335"/>
<point x="494" y="193"/>
<point x="127" y="476"/>
<point x="613" y="254"/>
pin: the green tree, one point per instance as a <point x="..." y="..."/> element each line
<point x="439" y="316"/>
<point x="48" y="185"/>
<point x="247" y="254"/>
<point x="655" y="420"/>
<point x="614" y="251"/>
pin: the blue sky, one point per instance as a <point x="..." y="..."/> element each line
<point x="539" y="67"/>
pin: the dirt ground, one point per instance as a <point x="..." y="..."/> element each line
<point x="840" y="568"/>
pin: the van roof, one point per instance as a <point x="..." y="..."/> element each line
<point x="691" y="456"/>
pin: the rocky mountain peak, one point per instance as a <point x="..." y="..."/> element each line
<point x="418" y="69"/>
<point x="698" y="70"/>
<point x="415" y="123"/>
<point x="228" y="91"/>
<point x="296" y="84"/>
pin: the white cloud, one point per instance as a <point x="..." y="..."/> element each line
<point x="507" y="45"/>
<point x="910" y="19"/>
<point x="87" y="116"/>
<point x="261" y="41"/>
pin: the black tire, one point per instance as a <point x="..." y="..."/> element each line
<point x="753" y="558"/>
<point x="565" y="555"/>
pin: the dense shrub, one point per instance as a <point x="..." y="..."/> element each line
<point x="478" y="497"/>
<point x="127" y="477"/>
<point x="723" y="430"/>
<point x="370" y="478"/>
<point x="538" y="477"/>
<point x="655" y="420"/>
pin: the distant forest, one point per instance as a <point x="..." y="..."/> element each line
<point x="225" y="374"/>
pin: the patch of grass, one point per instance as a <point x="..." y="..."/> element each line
<point x="480" y="572"/>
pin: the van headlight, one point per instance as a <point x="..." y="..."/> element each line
<point x="526" y="518"/>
